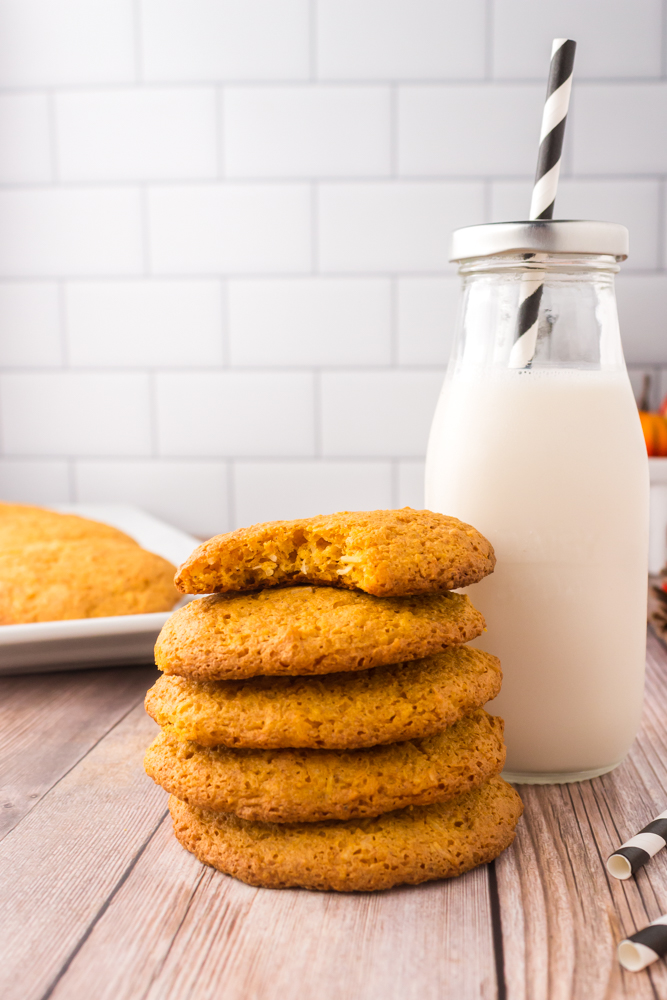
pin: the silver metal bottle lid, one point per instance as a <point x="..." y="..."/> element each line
<point x="541" y="236"/>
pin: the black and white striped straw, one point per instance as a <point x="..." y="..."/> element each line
<point x="634" y="853"/>
<point x="553" y="129"/>
<point x="644" y="947"/>
<point x="544" y="190"/>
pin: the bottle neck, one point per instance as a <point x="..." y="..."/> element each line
<point x="536" y="311"/>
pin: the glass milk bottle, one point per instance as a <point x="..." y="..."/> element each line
<point x="540" y="447"/>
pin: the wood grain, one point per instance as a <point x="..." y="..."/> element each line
<point x="48" y="722"/>
<point x="562" y="914"/>
<point x="62" y="863"/>
<point x="100" y="901"/>
<point x="203" y="929"/>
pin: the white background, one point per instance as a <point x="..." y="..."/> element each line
<point x="224" y="288"/>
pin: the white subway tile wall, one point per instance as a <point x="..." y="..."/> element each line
<point x="158" y="485"/>
<point x="259" y="414"/>
<point x="306" y="131"/>
<point x="364" y="413"/>
<point x="283" y="490"/>
<point x="147" y="323"/>
<point x="148" y="133"/>
<point x="502" y="142"/>
<point x="309" y="321"/>
<point x="393" y="227"/>
<point x="229" y="229"/>
<point x="224" y="227"/>
<point x="76" y="413"/>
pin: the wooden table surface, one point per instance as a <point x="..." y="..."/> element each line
<point x="99" y="901"/>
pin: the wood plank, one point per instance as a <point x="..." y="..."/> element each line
<point x="61" y="865"/>
<point x="48" y="722"/>
<point x="184" y="929"/>
<point x="562" y="914"/>
<point x="101" y="901"/>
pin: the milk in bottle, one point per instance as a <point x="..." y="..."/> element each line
<point x="547" y="459"/>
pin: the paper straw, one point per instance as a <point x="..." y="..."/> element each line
<point x="544" y="190"/>
<point x="634" y="853"/>
<point x="553" y="129"/>
<point x="644" y="947"/>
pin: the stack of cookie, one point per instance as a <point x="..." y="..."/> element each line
<point x="322" y="721"/>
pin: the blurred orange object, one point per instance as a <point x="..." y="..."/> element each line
<point x="654" y="427"/>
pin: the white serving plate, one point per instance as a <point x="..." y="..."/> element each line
<point x="97" y="642"/>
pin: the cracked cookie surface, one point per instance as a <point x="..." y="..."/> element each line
<point x="309" y="630"/>
<point x="334" y="711"/>
<point x="410" y="845"/>
<point x="382" y="552"/>
<point x="288" y="786"/>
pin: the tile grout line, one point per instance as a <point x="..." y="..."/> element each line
<point x="154" y="428"/>
<point x="144" y="216"/>
<point x="281" y="459"/>
<point x="220" y="144"/>
<point x="488" y="199"/>
<point x="393" y="131"/>
<point x="137" y="38"/>
<point x="393" y="323"/>
<point x="71" y="480"/>
<point x="317" y="416"/>
<point x="395" y="483"/>
<point x="231" y="494"/>
<point x="363" y="82"/>
<point x="226" y="329"/>
<point x="314" y="229"/>
<point x="312" y="41"/>
<point x="2" y="429"/>
<point x="662" y="222"/>
<point x="61" y="291"/>
<point x="488" y="40"/>
<point x="53" y="138"/>
<point x="429" y="179"/>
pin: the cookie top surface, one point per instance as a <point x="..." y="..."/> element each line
<point x="82" y="578"/>
<point x="21" y="524"/>
<point x="309" y="630"/>
<point x="410" y="845"/>
<point x="386" y="553"/>
<point x="287" y="786"/>
<point x="335" y="711"/>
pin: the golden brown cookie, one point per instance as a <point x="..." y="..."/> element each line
<point x="335" y="711"/>
<point x="410" y="845"/>
<point x="292" y="786"/>
<point x="84" y="578"/>
<point x="309" y="630"/>
<point x="21" y="524"/>
<point x="388" y="553"/>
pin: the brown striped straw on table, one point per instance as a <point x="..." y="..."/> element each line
<point x="544" y="191"/>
